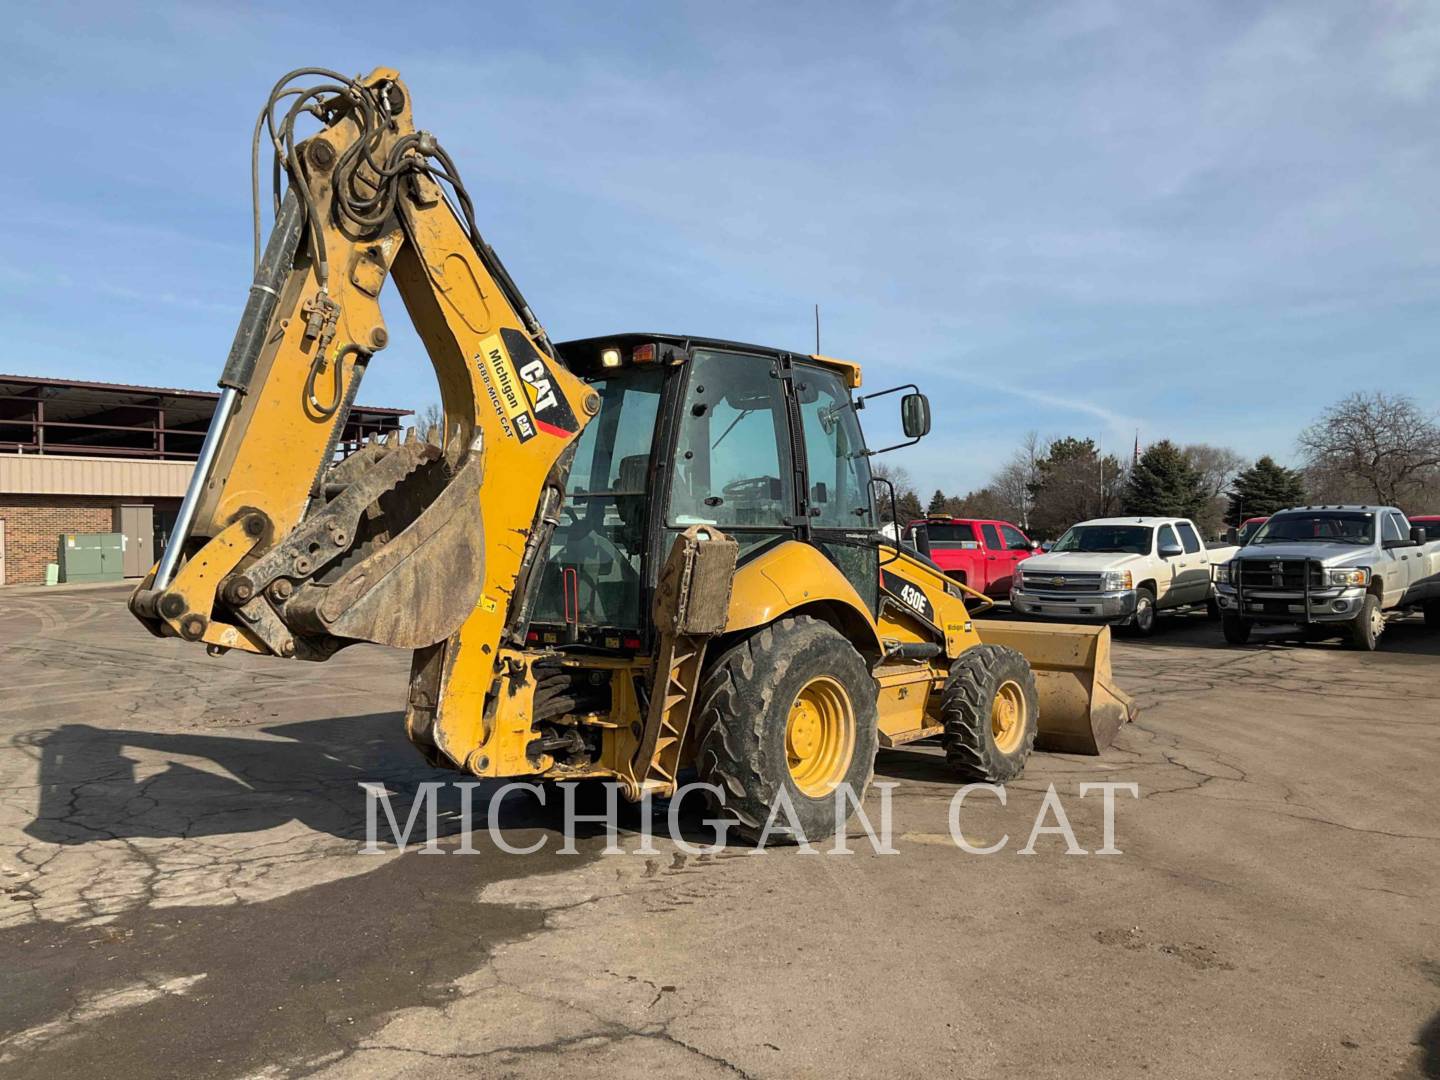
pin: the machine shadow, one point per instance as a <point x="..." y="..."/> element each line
<point x="911" y="763"/>
<point x="212" y="785"/>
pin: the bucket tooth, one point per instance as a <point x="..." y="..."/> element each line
<point x="432" y="436"/>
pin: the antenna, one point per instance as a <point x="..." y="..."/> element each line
<point x="817" y="329"/>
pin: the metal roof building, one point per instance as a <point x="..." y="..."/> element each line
<point x="92" y="457"/>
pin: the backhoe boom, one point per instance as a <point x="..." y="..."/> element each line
<point x="280" y="549"/>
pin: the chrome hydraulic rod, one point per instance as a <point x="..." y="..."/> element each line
<point x="270" y="276"/>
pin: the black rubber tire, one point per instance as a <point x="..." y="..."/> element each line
<point x="1432" y="614"/>
<point x="1212" y="608"/>
<point x="1360" y="632"/>
<point x="1235" y="628"/>
<point x="969" y="742"/>
<point x="741" y="712"/>
<point x="1140" y="625"/>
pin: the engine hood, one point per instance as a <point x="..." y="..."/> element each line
<point x="1325" y="554"/>
<point x="1078" y="561"/>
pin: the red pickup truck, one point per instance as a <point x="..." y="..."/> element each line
<point x="980" y="554"/>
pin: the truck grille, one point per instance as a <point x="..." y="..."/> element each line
<point x="1278" y="575"/>
<point x="1062" y="583"/>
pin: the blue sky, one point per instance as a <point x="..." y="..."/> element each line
<point x="1207" y="221"/>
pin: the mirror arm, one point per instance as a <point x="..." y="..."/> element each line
<point x="860" y="401"/>
<point x="887" y="449"/>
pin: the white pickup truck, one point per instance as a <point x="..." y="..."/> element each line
<point x="1120" y="570"/>
<point x="1334" y="570"/>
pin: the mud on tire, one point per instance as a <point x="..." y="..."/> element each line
<point x="742" y="711"/>
<point x="970" y="739"/>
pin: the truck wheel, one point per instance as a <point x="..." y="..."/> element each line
<point x="1142" y="623"/>
<point x="1432" y="614"/>
<point x="1235" y="628"/>
<point x="791" y="707"/>
<point x="1363" y="632"/>
<point x="990" y="709"/>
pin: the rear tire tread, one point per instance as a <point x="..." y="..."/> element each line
<point x="735" y="703"/>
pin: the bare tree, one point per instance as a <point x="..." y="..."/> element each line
<point x="1217" y="467"/>
<point x="1384" y="444"/>
<point x="1014" y="485"/>
<point x="431" y="416"/>
<point x="906" y="496"/>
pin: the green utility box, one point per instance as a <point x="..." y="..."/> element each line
<point x="92" y="557"/>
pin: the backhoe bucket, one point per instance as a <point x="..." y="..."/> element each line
<point x="1081" y="708"/>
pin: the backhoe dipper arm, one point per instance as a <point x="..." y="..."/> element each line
<point x="280" y="549"/>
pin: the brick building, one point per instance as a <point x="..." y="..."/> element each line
<point x="86" y="457"/>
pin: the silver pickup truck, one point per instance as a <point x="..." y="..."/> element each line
<point x="1334" y="570"/>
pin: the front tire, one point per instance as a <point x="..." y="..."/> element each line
<point x="790" y="707"/>
<point x="1363" y="632"/>
<point x="1142" y="623"/>
<point x="991" y="712"/>
<point x="1235" y="628"/>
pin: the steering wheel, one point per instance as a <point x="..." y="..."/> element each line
<point x="751" y="487"/>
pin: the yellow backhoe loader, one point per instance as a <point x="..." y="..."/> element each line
<point x="621" y="558"/>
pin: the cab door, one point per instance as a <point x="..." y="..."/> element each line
<point x="836" y="504"/>
<point x="1194" y="568"/>
<point x="999" y="564"/>
<point x="1017" y="550"/>
<point x="1169" y="575"/>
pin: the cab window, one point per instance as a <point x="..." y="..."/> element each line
<point x="992" y="537"/>
<point x="1014" y="539"/>
<point x="839" y="470"/>
<point x="730" y="449"/>
<point x="1188" y="537"/>
<point x="1394" y="531"/>
<point x="1167" y="538"/>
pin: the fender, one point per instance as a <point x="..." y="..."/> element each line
<point x="793" y="576"/>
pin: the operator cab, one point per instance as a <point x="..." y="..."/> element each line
<point x="763" y="444"/>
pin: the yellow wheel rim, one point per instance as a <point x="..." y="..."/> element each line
<point x="820" y="736"/>
<point x="1008" y="716"/>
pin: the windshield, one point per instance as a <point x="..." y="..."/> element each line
<point x="593" y="567"/>
<point x="948" y="535"/>
<point x="1115" y="539"/>
<point x="1320" y="527"/>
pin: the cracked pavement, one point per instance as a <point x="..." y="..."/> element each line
<point x="182" y="893"/>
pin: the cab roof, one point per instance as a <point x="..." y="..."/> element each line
<point x="584" y="353"/>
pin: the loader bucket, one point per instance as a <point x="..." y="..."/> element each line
<point x="1081" y="708"/>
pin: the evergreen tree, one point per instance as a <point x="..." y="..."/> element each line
<point x="938" y="503"/>
<point x="1264" y="488"/>
<point x="1071" y="483"/>
<point x="909" y="509"/>
<point x="1164" y="483"/>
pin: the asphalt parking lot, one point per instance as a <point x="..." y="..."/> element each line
<point x="182" y="893"/>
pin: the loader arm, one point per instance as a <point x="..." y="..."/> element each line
<point x="280" y="549"/>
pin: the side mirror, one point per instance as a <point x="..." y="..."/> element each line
<point x="1232" y="536"/>
<point x="915" y="415"/>
<point x="1034" y="545"/>
<point x="1170" y="551"/>
<point x="1418" y="534"/>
